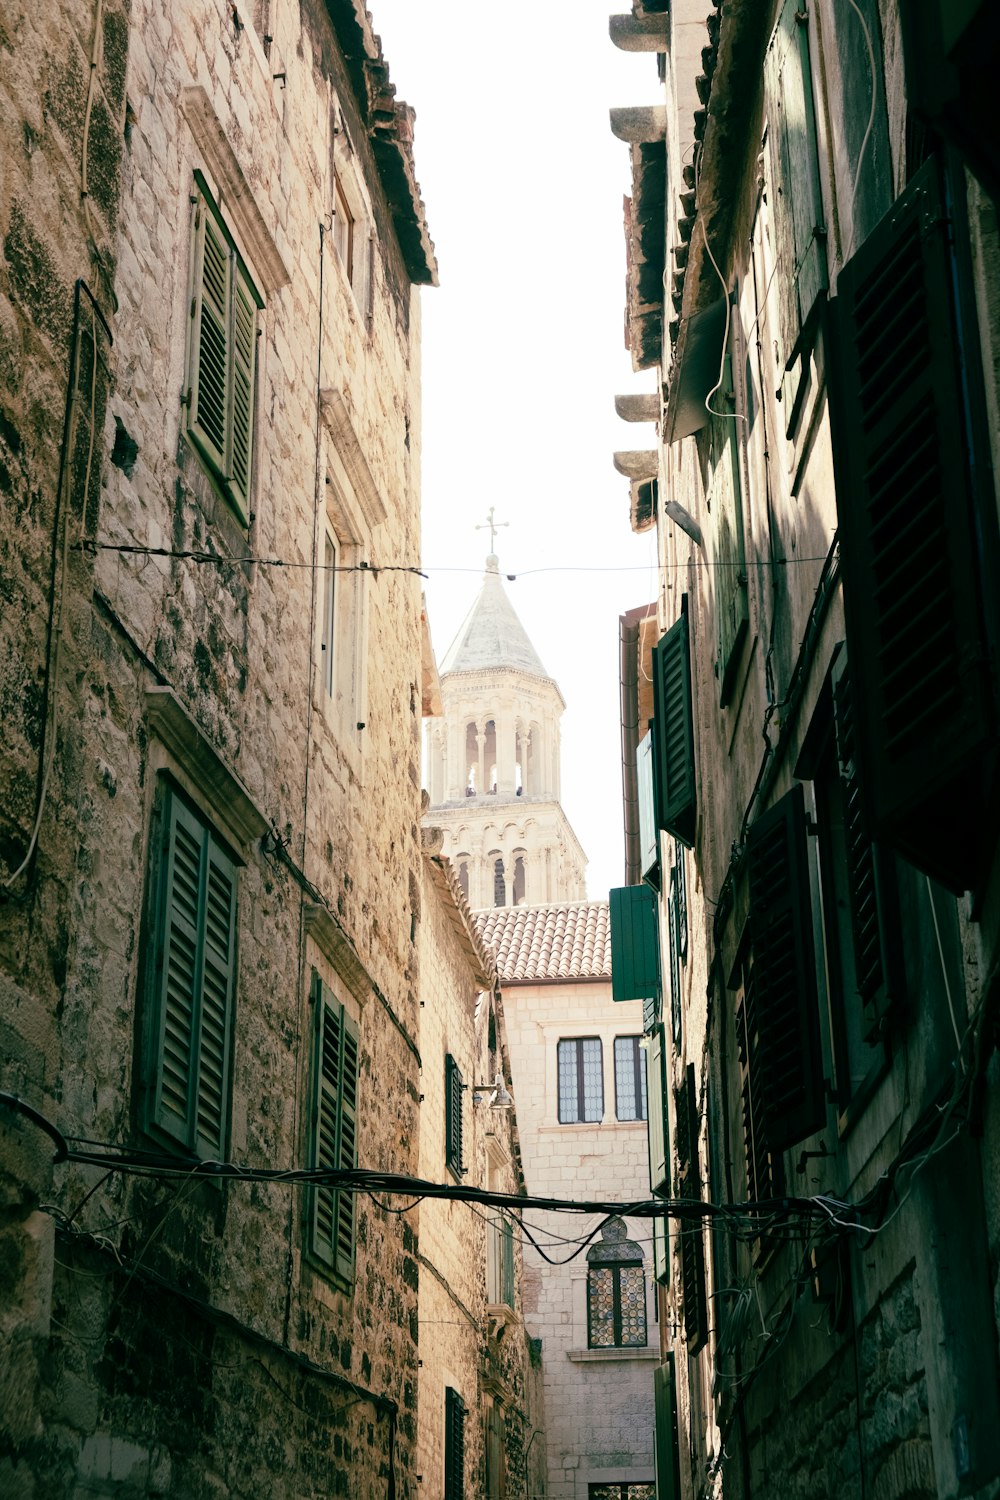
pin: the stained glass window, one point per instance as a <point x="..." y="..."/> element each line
<point x="616" y="1291"/>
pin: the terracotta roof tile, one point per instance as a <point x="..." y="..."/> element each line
<point x="565" y="941"/>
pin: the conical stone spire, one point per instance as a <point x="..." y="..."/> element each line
<point x="491" y="635"/>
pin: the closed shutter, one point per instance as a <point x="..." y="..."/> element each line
<point x="453" y="1115"/>
<point x="635" y="961"/>
<point x="244" y="354"/>
<point x="692" y="1241"/>
<point x="764" y="1168"/>
<point x="348" y="1154"/>
<point x="454" y="1445"/>
<point x="676" y="998"/>
<point x="668" y="1469"/>
<point x="195" y="942"/>
<point x="507" y="1262"/>
<point x="656" y="1097"/>
<point x="786" y="1039"/>
<point x="794" y="195"/>
<point x="673" y="733"/>
<point x="913" y="535"/>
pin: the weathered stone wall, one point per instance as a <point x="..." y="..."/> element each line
<point x="191" y="1350"/>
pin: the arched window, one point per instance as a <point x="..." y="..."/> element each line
<point x="519" y="880"/>
<point x="463" y="874"/>
<point x="499" y="884"/>
<point x="616" y="1291"/>
<point x="490" y="756"/>
<point x="471" y="759"/>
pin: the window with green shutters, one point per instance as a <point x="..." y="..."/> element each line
<point x="656" y="1093"/>
<point x="673" y="732"/>
<point x="793" y="180"/>
<point x="453" y="1088"/>
<point x="190" y="987"/>
<point x="691" y="1232"/>
<point x="724" y="499"/>
<point x="500" y="1288"/>
<point x="333" y="1129"/>
<point x="222" y="356"/>
<point x="454" y="1445"/>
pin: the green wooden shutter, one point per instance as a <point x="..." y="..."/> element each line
<point x="334" y="1129"/>
<point x="692" y="1240"/>
<point x="794" y="193"/>
<point x="916" y="526"/>
<point x="784" y="968"/>
<point x="210" y="356"/>
<point x="453" y="1115"/>
<point x="661" y="1251"/>
<point x="348" y="1145"/>
<point x="676" y="998"/>
<point x="242" y="389"/>
<point x="764" y="1168"/>
<point x="635" y="957"/>
<point x="507" y="1262"/>
<point x="195" y="947"/>
<point x="673" y="733"/>
<point x="454" y="1445"/>
<point x="668" y="1468"/>
<point x="725" y="503"/>
<point x="682" y="911"/>
<point x="658" y="1128"/>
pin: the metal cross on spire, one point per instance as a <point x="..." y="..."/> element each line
<point x="492" y="526"/>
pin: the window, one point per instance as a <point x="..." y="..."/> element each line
<point x="499" y="884"/>
<point x="453" y="1088"/>
<point x="622" y="1490"/>
<point x="724" y="501"/>
<point x="454" y="1445"/>
<point x="668" y="1448"/>
<point x="616" y="1291"/>
<point x="343" y="229"/>
<point x="351" y="236"/>
<point x="581" y="1080"/>
<point x="222" y="357"/>
<point x="190" y="982"/>
<point x="630" y="1079"/>
<point x="692" y="1243"/>
<point x="333" y="1129"/>
<point x="342" y="634"/>
<point x="329" y="642"/>
<point x="658" y="1127"/>
<point x="673" y="732"/>
<point x="500" y="1261"/>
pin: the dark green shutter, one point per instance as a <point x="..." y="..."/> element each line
<point x="195" y="965"/>
<point x="682" y="912"/>
<point x="242" y="386"/>
<point x="656" y="1102"/>
<point x="692" y="1240"/>
<point x="661" y="1251"/>
<point x="507" y="1262"/>
<point x="764" y="1168"/>
<point x="915" y="533"/>
<point x="725" y="503"/>
<point x="781" y="928"/>
<point x="334" y="1129"/>
<point x="454" y="1445"/>
<point x="676" y="998"/>
<point x="635" y="958"/>
<point x="668" y="1468"/>
<point x="453" y="1115"/>
<point x="794" y="193"/>
<point x="673" y="733"/>
<point x="210" y="356"/>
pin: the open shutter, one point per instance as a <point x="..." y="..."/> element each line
<point x="242" y="388"/>
<point x="668" y="1468"/>
<point x="453" y="1115"/>
<point x="661" y="1251"/>
<point x="216" y="1001"/>
<point x="787" y="1010"/>
<point x="507" y="1261"/>
<point x="635" y="958"/>
<point x="871" y="876"/>
<point x="692" y="1241"/>
<point x="725" y="504"/>
<point x="681" y="896"/>
<point x="676" y="998"/>
<point x="673" y="733"/>
<point x="348" y="1145"/>
<point x="764" y="1168"/>
<point x="913" y="536"/>
<point x="454" y="1445"/>
<point x="794" y="194"/>
<point x="210" y="339"/>
<point x="656" y="1102"/>
<point x="326" y="1091"/>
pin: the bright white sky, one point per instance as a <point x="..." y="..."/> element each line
<point x="523" y="348"/>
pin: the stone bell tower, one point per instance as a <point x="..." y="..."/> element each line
<point x="493" y="763"/>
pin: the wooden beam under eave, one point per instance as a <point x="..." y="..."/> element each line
<point x="639" y="33"/>
<point x="638" y="463"/>
<point x="640" y="125"/>
<point x="638" y="408"/>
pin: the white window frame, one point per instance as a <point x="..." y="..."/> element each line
<point x="352" y="226"/>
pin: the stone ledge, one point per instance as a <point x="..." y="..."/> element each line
<point x="602" y="1356"/>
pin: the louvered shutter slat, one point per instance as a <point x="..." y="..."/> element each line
<point x="179" y="958"/>
<point x="216" y="1006"/>
<point x="210" y="373"/>
<point x="243" y="353"/>
<point x="348" y="1153"/>
<point x="673" y="733"/>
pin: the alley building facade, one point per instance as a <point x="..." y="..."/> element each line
<point x="813" y="274"/>
<point x="213" y="242"/>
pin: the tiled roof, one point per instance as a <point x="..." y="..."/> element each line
<point x="565" y="941"/>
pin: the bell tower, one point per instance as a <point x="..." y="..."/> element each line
<point x="493" y="763"/>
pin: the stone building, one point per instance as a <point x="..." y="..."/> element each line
<point x="479" y="1394"/>
<point x="810" y="912"/>
<point x="493" y="762"/>
<point x="210" y="856"/>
